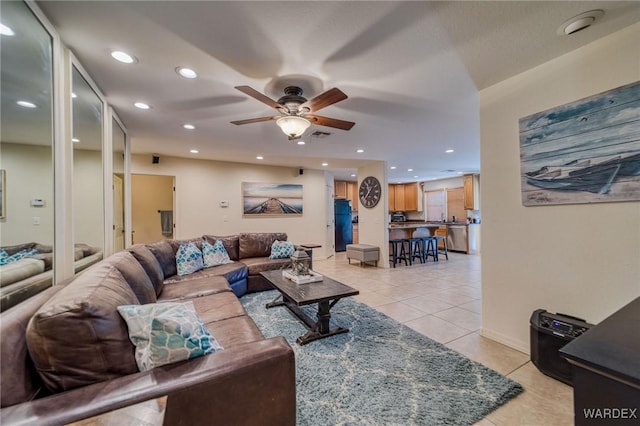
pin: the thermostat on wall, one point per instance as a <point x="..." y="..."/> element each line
<point x="37" y="202"/>
<point x="224" y="204"/>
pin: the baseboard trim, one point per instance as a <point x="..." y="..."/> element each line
<point x="505" y="340"/>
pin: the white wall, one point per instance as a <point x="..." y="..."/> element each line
<point x="582" y="260"/>
<point x="201" y="185"/>
<point x="29" y="174"/>
<point x="373" y="224"/>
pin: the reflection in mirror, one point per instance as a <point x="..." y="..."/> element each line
<point x="88" y="198"/>
<point x="118" y="186"/>
<point x="26" y="159"/>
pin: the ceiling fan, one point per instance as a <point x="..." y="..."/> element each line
<point x="296" y="112"/>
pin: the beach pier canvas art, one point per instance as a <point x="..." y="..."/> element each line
<point x="271" y="199"/>
<point x="586" y="151"/>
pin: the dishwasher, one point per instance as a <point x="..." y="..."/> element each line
<point x="458" y="238"/>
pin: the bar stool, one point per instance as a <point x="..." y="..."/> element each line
<point x="398" y="252"/>
<point x="416" y="249"/>
<point x="430" y="245"/>
<point x="441" y="236"/>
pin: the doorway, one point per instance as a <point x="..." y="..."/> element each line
<point x="152" y="212"/>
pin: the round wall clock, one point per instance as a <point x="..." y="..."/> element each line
<point x="370" y="192"/>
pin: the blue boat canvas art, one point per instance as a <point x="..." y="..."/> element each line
<point x="587" y="151"/>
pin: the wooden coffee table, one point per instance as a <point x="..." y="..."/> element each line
<point x="325" y="293"/>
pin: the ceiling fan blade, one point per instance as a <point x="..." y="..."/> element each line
<point x="254" y="120"/>
<point x="258" y="96"/>
<point x="330" y="122"/>
<point x="324" y="99"/>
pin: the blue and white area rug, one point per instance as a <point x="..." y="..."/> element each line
<point x="381" y="372"/>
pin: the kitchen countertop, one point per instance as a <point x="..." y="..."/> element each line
<point x="421" y="224"/>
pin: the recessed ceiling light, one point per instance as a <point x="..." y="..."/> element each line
<point x="123" y="57"/>
<point x="141" y="105"/>
<point x="194" y="151"/>
<point x="73" y="95"/>
<point x="353" y="175"/>
<point x="325" y="164"/>
<point x="360" y="151"/>
<point x="186" y="72"/>
<point x="392" y="167"/>
<point x="259" y="157"/>
<point x="460" y="173"/>
<point x="26" y="104"/>
<point x="415" y="177"/>
<point x="301" y="142"/>
<point x="449" y="151"/>
<point x="6" y="31"/>
<point x="409" y="170"/>
<point x="579" y="22"/>
<point x="189" y="126"/>
<point x="75" y="140"/>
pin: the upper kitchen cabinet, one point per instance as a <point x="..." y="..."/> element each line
<point x="340" y="189"/>
<point x="404" y="197"/>
<point x="352" y="194"/>
<point x="345" y="190"/>
<point x="471" y="195"/>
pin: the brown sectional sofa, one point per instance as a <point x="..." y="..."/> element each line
<point x="66" y="353"/>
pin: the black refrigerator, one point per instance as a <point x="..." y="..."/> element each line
<point x="344" y="232"/>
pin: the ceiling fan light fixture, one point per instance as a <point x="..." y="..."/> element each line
<point x="293" y="125"/>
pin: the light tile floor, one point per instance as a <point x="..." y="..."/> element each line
<point x="442" y="301"/>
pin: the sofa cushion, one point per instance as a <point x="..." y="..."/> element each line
<point x="188" y="259"/>
<point x="19" y="270"/>
<point x="214" y="254"/>
<point x="164" y="333"/>
<point x="20" y="380"/>
<point x="46" y="257"/>
<point x="135" y="275"/>
<point x="258" y="244"/>
<point x="218" y="307"/>
<point x="235" y="331"/>
<point x="262" y="264"/>
<point x="150" y="265"/>
<point x="197" y="286"/>
<point x="166" y="255"/>
<point x="231" y="243"/>
<point x="281" y="250"/>
<point x="19" y="247"/>
<point x="233" y="272"/>
<point x="77" y="337"/>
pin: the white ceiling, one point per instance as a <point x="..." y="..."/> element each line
<point x="411" y="70"/>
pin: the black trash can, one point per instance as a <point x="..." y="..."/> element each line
<point x="550" y="332"/>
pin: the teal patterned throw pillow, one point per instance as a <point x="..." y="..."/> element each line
<point x="281" y="249"/>
<point x="6" y="259"/>
<point x="164" y="333"/>
<point x="214" y="254"/>
<point x="189" y="259"/>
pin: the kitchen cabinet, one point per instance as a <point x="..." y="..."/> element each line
<point x="345" y="190"/>
<point x="470" y="186"/>
<point x="455" y="204"/>
<point x="404" y="197"/>
<point x="340" y="189"/>
<point x="356" y="236"/>
<point x="352" y="194"/>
